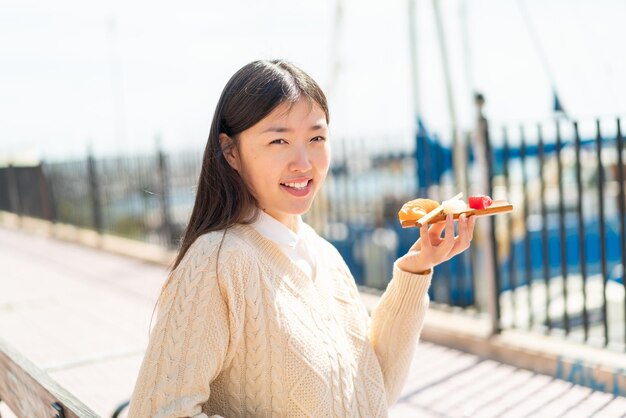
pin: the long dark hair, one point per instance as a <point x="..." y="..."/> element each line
<point x="253" y="92"/>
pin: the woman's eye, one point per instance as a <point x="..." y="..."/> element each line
<point x="278" y="141"/>
<point x="318" y="139"/>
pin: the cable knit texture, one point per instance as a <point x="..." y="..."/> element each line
<point x="248" y="334"/>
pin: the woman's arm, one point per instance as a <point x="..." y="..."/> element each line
<point x="189" y="343"/>
<point x="395" y="326"/>
<point x="397" y="321"/>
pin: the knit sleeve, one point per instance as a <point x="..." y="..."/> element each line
<point x="190" y="341"/>
<point x="395" y="326"/>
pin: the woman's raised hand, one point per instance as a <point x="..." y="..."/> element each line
<point x="431" y="249"/>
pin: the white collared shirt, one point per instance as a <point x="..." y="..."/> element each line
<point x="294" y="245"/>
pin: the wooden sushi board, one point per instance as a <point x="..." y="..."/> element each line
<point x="497" y="206"/>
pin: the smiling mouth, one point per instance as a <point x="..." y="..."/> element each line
<point x="297" y="185"/>
<point x="298" y="188"/>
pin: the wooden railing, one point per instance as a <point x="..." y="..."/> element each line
<point x="29" y="392"/>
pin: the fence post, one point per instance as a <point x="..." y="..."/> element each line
<point x="47" y="206"/>
<point x="15" y="201"/>
<point x="422" y="162"/>
<point x="166" y="223"/>
<point x="487" y="271"/>
<point x="94" y="190"/>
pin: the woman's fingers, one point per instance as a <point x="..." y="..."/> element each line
<point x="463" y="228"/>
<point x="468" y="228"/>
<point x="472" y="222"/>
<point x="425" y="237"/>
<point x="466" y="231"/>
<point x="431" y="249"/>
<point x="435" y="231"/>
<point x="448" y="238"/>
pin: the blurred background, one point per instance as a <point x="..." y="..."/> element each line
<point x="115" y="75"/>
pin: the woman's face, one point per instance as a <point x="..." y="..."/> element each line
<point x="284" y="159"/>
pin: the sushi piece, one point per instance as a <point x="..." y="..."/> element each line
<point x="415" y="209"/>
<point x="479" y="202"/>
<point x="452" y="206"/>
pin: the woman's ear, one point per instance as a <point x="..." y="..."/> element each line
<point x="229" y="151"/>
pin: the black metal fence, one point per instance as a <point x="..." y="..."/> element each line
<point x="558" y="258"/>
<point x="562" y="252"/>
<point x="147" y="198"/>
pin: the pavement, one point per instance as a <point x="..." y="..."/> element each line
<point x="83" y="316"/>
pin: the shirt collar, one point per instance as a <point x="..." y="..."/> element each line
<point x="278" y="232"/>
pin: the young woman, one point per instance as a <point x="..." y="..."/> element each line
<point x="260" y="316"/>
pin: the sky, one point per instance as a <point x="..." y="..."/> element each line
<point x="118" y="77"/>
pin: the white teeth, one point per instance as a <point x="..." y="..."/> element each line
<point x="297" y="185"/>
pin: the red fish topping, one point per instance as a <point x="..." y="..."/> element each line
<point x="479" y="202"/>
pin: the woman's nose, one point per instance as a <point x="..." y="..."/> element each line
<point x="301" y="159"/>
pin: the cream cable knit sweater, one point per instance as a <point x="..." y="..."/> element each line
<point x="249" y="334"/>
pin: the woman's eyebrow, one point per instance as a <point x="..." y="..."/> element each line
<point x="317" y="127"/>
<point x="280" y="129"/>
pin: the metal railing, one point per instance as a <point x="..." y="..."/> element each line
<point x="562" y="264"/>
